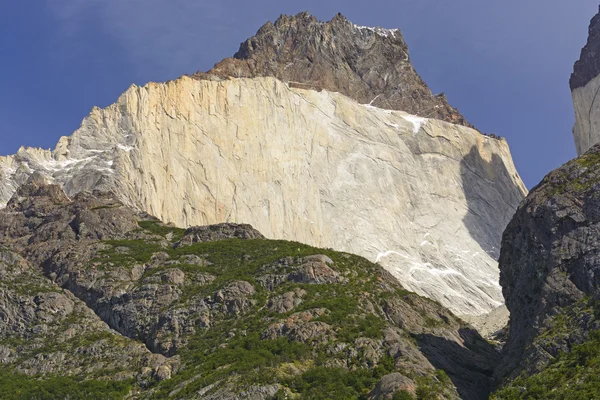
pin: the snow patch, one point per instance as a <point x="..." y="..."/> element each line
<point x="126" y="149"/>
<point x="377" y="108"/>
<point x="416" y="121"/>
<point x="387" y="254"/>
<point x="380" y="31"/>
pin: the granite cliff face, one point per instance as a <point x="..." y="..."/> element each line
<point x="426" y="198"/>
<point x="585" y="86"/>
<point x="369" y="65"/>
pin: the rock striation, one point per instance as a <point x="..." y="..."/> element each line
<point x="585" y="86"/>
<point x="426" y="198"/>
<point x="369" y="65"/>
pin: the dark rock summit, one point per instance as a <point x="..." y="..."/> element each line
<point x="588" y="65"/>
<point x="369" y="65"/>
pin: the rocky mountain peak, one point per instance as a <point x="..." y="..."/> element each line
<point x="370" y="65"/>
<point x="585" y="84"/>
<point x="588" y="65"/>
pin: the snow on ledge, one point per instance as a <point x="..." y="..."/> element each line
<point x="416" y="121"/>
<point x="380" y="31"/>
<point x="126" y="149"/>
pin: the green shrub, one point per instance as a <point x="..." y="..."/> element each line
<point x="402" y="395"/>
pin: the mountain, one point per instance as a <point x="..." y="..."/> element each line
<point x="101" y="301"/>
<point x="426" y="198"/>
<point x="585" y="85"/>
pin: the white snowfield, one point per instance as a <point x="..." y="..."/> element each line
<point x="427" y="199"/>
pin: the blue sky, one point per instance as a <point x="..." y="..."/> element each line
<point x="505" y="64"/>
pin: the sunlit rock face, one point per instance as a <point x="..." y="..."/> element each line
<point x="426" y="198"/>
<point x="585" y="88"/>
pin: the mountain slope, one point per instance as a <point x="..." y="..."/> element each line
<point x="229" y="314"/>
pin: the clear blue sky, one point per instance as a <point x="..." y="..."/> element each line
<point x="504" y="64"/>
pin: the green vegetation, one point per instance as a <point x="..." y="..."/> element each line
<point x="336" y="383"/>
<point x="402" y="395"/>
<point x="254" y="360"/>
<point x="371" y="326"/>
<point x="139" y="251"/>
<point x="158" y="228"/>
<point x="571" y="376"/>
<point x="588" y="160"/>
<point x="15" y="386"/>
<point x="585" y="181"/>
<point x="232" y="350"/>
<point x="430" y="388"/>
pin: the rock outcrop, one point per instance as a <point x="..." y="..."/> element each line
<point x="426" y="198"/>
<point x="369" y="65"/>
<point x="549" y="265"/>
<point x="585" y="86"/>
<point x="47" y="330"/>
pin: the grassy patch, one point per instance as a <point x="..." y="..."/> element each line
<point x="160" y="229"/>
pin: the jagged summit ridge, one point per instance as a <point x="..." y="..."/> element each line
<point x="369" y="65"/>
<point x="588" y="65"/>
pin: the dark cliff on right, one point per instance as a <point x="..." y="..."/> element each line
<point x="550" y="274"/>
<point x="550" y="265"/>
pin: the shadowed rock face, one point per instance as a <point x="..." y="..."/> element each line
<point x="550" y="267"/>
<point x="369" y="65"/>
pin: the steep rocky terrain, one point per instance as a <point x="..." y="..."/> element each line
<point x="549" y="264"/>
<point x="585" y="86"/>
<point x="369" y="65"/>
<point x="99" y="300"/>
